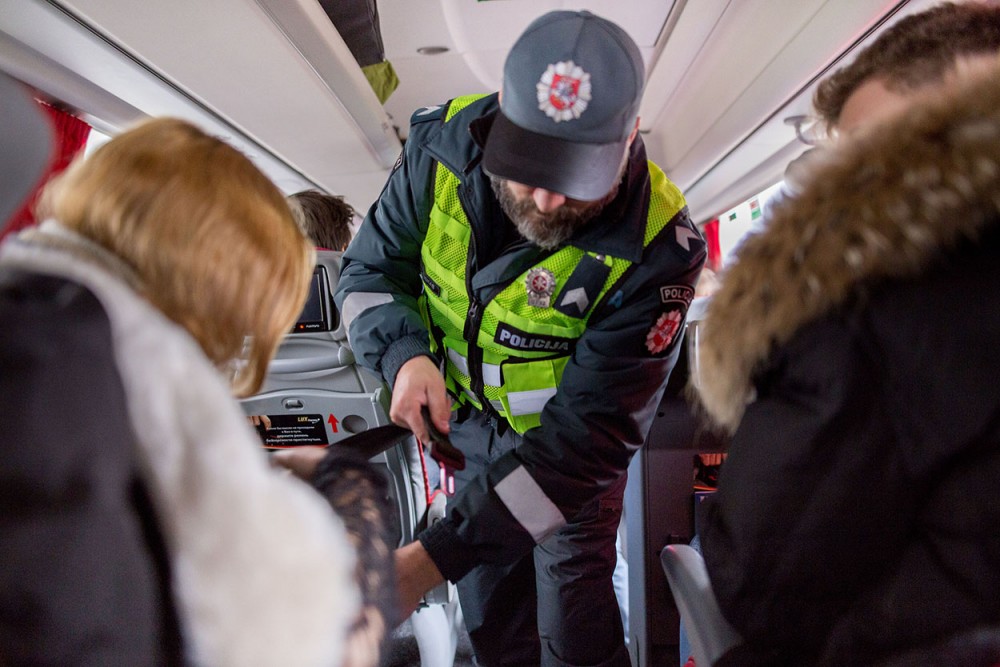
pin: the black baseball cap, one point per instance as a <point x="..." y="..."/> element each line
<point x="572" y="84"/>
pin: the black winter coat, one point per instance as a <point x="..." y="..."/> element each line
<point x="854" y="351"/>
<point x="84" y="575"/>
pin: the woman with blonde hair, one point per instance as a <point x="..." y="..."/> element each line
<point x="141" y="521"/>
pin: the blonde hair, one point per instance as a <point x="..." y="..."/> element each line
<point x="210" y="237"/>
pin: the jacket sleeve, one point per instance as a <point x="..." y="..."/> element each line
<point x="380" y="277"/>
<point x="359" y="494"/>
<point x="600" y="415"/>
<point x="811" y="481"/>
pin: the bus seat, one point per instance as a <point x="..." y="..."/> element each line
<point x="709" y="632"/>
<point x="26" y="146"/>
<point x="711" y="635"/>
<point x="314" y="394"/>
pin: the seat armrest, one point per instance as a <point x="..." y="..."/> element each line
<point x="708" y="630"/>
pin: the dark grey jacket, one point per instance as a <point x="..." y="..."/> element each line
<point x="612" y="384"/>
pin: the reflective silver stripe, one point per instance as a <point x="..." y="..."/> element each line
<point x="461" y="363"/>
<point x="491" y="375"/>
<point x="497" y="405"/>
<point x="529" y="402"/>
<point x="491" y="372"/>
<point x="358" y="302"/>
<point x="529" y="505"/>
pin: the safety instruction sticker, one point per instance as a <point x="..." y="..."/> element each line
<point x="282" y="431"/>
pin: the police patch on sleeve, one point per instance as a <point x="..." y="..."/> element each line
<point x="676" y="299"/>
<point x="677" y="294"/>
<point x="664" y="331"/>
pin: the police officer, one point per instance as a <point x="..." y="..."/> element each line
<point x="525" y="276"/>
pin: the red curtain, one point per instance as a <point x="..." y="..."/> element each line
<point x="710" y="230"/>
<point x="71" y="135"/>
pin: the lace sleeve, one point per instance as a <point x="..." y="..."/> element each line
<point x="359" y="494"/>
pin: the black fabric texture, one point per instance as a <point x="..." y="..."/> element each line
<point x="872" y="451"/>
<point x="81" y="566"/>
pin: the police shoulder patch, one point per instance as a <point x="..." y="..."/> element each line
<point x="424" y="114"/>
<point x="677" y="294"/>
<point x="664" y="331"/>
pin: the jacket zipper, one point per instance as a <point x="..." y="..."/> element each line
<point x="473" y="322"/>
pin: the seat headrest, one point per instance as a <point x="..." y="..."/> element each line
<point x="26" y="146"/>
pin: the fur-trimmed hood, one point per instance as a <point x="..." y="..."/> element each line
<point x="880" y="207"/>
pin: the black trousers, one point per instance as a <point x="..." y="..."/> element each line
<point x="556" y="605"/>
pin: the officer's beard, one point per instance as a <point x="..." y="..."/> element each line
<point x="546" y="230"/>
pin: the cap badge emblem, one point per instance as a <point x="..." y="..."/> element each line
<point x="541" y="283"/>
<point x="563" y="91"/>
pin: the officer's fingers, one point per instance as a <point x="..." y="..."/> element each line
<point x="439" y="405"/>
<point x="407" y="413"/>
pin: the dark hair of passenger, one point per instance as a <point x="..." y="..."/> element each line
<point x="918" y="50"/>
<point x="324" y="218"/>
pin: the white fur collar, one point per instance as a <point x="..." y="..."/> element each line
<point x="262" y="570"/>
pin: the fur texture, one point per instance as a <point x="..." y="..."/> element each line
<point x="261" y="567"/>
<point x="879" y="207"/>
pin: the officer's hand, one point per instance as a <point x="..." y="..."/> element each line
<point x="419" y="383"/>
<point x="416" y="574"/>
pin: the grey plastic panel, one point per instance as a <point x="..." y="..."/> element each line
<point x="314" y="394"/>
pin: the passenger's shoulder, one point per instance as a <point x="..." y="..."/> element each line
<point x="38" y="306"/>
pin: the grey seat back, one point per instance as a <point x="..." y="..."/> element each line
<point x="26" y="146"/>
<point x="315" y="394"/>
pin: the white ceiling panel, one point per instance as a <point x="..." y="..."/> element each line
<point x="277" y="78"/>
<point x="771" y="51"/>
<point x="478" y="36"/>
<point x="747" y="144"/>
<point x="273" y="79"/>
